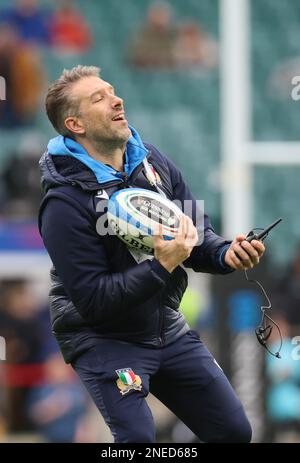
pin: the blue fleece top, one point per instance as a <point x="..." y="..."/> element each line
<point x="135" y="152"/>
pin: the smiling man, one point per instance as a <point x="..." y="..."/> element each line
<point x="116" y="317"/>
<point x="99" y="123"/>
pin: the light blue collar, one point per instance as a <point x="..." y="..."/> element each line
<point x="135" y="152"/>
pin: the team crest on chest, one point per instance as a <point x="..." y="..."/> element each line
<point x="128" y="381"/>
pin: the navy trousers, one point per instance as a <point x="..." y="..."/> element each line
<point x="183" y="375"/>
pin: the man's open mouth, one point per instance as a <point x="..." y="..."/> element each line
<point x="119" y="117"/>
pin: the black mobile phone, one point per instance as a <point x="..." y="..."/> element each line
<point x="261" y="235"/>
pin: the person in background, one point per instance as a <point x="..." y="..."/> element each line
<point x="70" y="33"/>
<point x="42" y="393"/>
<point x="20" y="327"/>
<point x="21" y="193"/>
<point x="30" y="20"/>
<point x="22" y="70"/>
<point x="57" y="408"/>
<point x="153" y="46"/>
<point x="283" y="396"/>
<point x="194" y="47"/>
<point x="288" y="294"/>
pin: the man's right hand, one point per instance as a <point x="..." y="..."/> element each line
<point x="171" y="253"/>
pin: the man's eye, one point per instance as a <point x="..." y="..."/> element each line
<point x="98" y="99"/>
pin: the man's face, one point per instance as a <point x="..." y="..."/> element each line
<point x="101" y="112"/>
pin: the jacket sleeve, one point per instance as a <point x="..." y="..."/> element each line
<point x="209" y="256"/>
<point x="79" y="257"/>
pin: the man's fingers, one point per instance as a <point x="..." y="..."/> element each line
<point x="187" y="233"/>
<point x="259" y="246"/>
<point x="251" y="251"/>
<point x="242" y="255"/>
<point x="158" y="234"/>
<point x="192" y="234"/>
<point x="233" y="260"/>
<point x="240" y="238"/>
<point x="189" y="227"/>
<point x="182" y="228"/>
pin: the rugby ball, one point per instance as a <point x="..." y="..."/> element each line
<point x="135" y="213"/>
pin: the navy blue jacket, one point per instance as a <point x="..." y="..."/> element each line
<point x="98" y="289"/>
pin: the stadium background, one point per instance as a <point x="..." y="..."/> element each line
<point x="175" y="80"/>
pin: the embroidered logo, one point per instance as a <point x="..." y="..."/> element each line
<point x="128" y="381"/>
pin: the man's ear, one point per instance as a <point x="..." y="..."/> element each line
<point x="74" y="125"/>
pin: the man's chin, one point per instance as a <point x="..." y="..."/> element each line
<point x="118" y="136"/>
<point x="124" y="134"/>
<point x="129" y="132"/>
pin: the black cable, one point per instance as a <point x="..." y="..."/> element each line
<point x="264" y="329"/>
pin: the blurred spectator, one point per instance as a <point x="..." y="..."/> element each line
<point x="70" y="33"/>
<point x="42" y="392"/>
<point x="2" y="406"/>
<point x="288" y="295"/>
<point x="58" y="407"/>
<point x="20" y="179"/>
<point x="194" y="47"/>
<point x="153" y="46"/>
<point x="19" y="312"/>
<point x="160" y="44"/>
<point x="283" y="397"/>
<point x="30" y="21"/>
<point x="21" y="68"/>
<point x="19" y="321"/>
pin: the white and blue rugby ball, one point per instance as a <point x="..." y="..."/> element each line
<point x="134" y="214"/>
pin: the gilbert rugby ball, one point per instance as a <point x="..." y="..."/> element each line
<point x="134" y="214"/>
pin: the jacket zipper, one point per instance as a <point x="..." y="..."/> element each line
<point x="137" y="170"/>
<point x="124" y="180"/>
<point x="161" y="337"/>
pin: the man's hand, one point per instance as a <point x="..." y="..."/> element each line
<point x="243" y="255"/>
<point x="170" y="253"/>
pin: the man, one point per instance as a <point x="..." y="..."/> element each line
<point x="117" y="321"/>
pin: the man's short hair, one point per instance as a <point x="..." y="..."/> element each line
<point x="59" y="102"/>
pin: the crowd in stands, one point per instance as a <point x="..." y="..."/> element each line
<point x="283" y="375"/>
<point x="41" y="393"/>
<point x="26" y="31"/>
<point x="163" y="44"/>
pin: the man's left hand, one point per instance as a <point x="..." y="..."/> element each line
<point x="243" y="255"/>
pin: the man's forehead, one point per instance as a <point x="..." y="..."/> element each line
<point x="86" y="86"/>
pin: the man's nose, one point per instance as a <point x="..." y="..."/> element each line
<point x="117" y="101"/>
